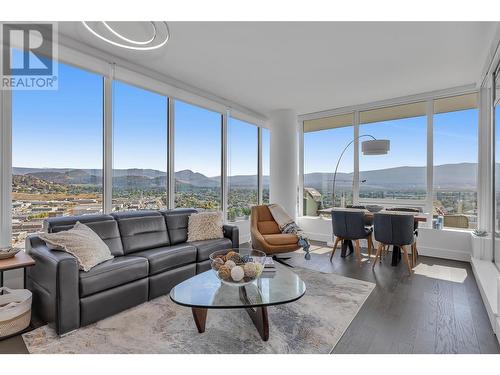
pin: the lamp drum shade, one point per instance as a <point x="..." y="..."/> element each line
<point x="375" y="147"/>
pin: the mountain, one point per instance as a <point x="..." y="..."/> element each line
<point x="188" y="177"/>
<point x="459" y="176"/>
<point x="31" y="184"/>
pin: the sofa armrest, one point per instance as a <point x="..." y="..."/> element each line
<point x="233" y="233"/>
<point x="54" y="284"/>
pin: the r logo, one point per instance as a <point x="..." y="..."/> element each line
<point x="35" y="43"/>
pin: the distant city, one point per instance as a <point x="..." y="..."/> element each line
<point x="39" y="193"/>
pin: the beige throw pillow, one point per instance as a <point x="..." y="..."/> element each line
<point x="81" y="242"/>
<point x="205" y="226"/>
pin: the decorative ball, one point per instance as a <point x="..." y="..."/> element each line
<point x="224" y="272"/>
<point x="237" y="273"/>
<point x="230" y="264"/>
<point x="259" y="268"/>
<point x="217" y="263"/>
<point x="250" y="270"/>
<point x="229" y="254"/>
<point x="234" y="256"/>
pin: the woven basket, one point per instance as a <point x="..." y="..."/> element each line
<point x="15" y="311"/>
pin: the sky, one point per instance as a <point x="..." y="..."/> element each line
<point x="63" y="129"/>
<point x="455" y="141"/>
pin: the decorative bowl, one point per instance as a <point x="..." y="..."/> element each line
<point x="8" y="252"/>
<point x="374" y="207"/>
<point x="238" y="267"/>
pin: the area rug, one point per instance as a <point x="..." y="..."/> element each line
<point x="313" y="324"/>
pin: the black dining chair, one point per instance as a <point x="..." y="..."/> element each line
<point x="414" y="250"/>
<point x="368" y="219"/>
<point x="349" y="225"/>
<point x="395" y="230"/>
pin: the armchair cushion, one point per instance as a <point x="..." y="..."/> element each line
<point x="281" y="239"/>
<point x="268" y="227"/>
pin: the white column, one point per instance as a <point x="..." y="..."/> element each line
<point x="485" y="200"/>
<point x="284" y="177"/>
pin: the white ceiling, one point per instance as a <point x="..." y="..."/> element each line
<point x="311" y="66"/>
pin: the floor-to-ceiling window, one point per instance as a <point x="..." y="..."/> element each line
<point x="324" y="141"/>
<point x="242" y="164"/>
<point x="266" y="164"/>
<point x="139" y="148"/>
<point x="455" y="138"/>
<point x="197" y="158"/>
<point x="57" y="151"/>
<point x="401" y="173"/>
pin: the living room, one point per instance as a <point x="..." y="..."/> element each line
<point x="222" y="182"/>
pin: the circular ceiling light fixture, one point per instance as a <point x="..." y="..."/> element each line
<point x="160" y="34"/>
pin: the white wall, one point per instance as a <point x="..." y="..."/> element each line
<point x="448" y="244"/>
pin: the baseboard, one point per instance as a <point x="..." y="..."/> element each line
<point x="444" y="253"/>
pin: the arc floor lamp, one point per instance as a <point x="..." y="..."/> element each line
<point x="373" y="146"/>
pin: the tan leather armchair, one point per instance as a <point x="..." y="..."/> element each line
<point x="266" y="235"/>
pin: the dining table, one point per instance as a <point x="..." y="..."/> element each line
<point x="347" y="246"/>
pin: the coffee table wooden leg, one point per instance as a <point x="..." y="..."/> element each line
<point x="200" y="318"/>
<point x="260" y="320"/>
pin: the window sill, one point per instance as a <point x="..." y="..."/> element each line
<point x="238" y="221"/>
<point x="450" y="229"/>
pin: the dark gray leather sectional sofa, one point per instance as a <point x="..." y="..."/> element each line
<point x="151" y="256"/>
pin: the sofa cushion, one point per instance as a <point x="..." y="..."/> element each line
<point x="104" y="225"/>
<point x="141" y="230"/>
<point x="165" y="258"/>
<point x="112" y="273"/>
<point x="177" y="223"/>
<point x="281" y="239"/>
<point x="81" y="242"/>
<point x="207" y="247"/>
<point x="205" y="226"/>
<point x="268" y="227"/>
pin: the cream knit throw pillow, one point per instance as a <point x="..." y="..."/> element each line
<point x="205" y="226"/>
<point x="81" y="242"/>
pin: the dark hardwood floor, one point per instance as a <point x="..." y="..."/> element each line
<point x="417" y="314"/>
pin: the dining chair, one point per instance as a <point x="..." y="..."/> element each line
<point x="415" y="210"/>
<point x="349" y="225"/>
<point x="395" y="230"/>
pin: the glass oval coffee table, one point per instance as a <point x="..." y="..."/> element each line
<point x="205" y="291"/>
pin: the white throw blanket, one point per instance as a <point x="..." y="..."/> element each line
<point x="280" y="215"/>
